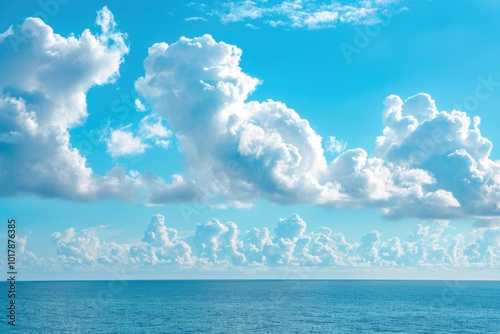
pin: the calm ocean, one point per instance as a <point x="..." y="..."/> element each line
<point x="267" y="306"/>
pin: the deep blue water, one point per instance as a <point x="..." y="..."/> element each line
<point x="256" y="307"/>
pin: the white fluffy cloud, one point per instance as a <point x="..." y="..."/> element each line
<point x="86" y="249"/>
<point x="216" y="244"/>
<point x="25" y="258"/>
<point x="279" y="155"/>
<point x="427" y="163"/>
<point x="124" y="141"/>
<point x="159" y="245"/>
<point x="199" y="88"/>
<point x="43" y="86"/>
<point x="450" y="147"/>
<point x="307" y="14"/>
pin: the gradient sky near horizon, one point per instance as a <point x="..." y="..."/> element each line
<point x="252" y="138"/>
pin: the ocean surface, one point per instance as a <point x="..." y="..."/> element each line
<point x="262" y="306"/>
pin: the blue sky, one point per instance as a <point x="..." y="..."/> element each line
<point x="253" y="139"/>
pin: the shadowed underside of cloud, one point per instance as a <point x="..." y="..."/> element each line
<point x="220" y="245"/>
<point x="427" y="163"/>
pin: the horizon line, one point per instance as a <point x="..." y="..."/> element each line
<point x="262" y="279"/>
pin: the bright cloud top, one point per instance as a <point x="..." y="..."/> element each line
<point x="307" y="14"/>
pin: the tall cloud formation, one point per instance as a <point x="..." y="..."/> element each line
<point x="198" y="87"/>
<point x="448" y="145"/>
<point x="43" y="86"/>
<point x="216" y="244"/>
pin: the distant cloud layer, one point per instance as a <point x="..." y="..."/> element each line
<point x="215" y="244"/>
<point x="305" y="14"/>
<point x="427" y="163"/>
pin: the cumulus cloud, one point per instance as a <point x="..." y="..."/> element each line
<point x="84" y="248"/>
<point x="26" y="259"/>
<point x="220" y="245"/>
<point x="307" y="14"/>
<point x="161" y="245"/>
<point x="450" y="147"/>
<point x="198" y="87"/>
<point x="427" y="163"/>
<point x="278" y="153"/>
<point x="123" y="142"/>
<point x="292" y="228"/>
<point x="45" y="78"/>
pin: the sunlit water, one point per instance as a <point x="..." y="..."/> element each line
<point x="256" y="307"/>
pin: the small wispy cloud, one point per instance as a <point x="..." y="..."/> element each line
<point x="251" y="26"/>
<point x="307" y="14"/>
<point x="196" y="18"/>
<point x="125" y="141"/>
<point x="333" y="145"/>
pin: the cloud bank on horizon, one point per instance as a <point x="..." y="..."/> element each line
<point x="427" y="163"/>
<point x="215" y="245"/>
